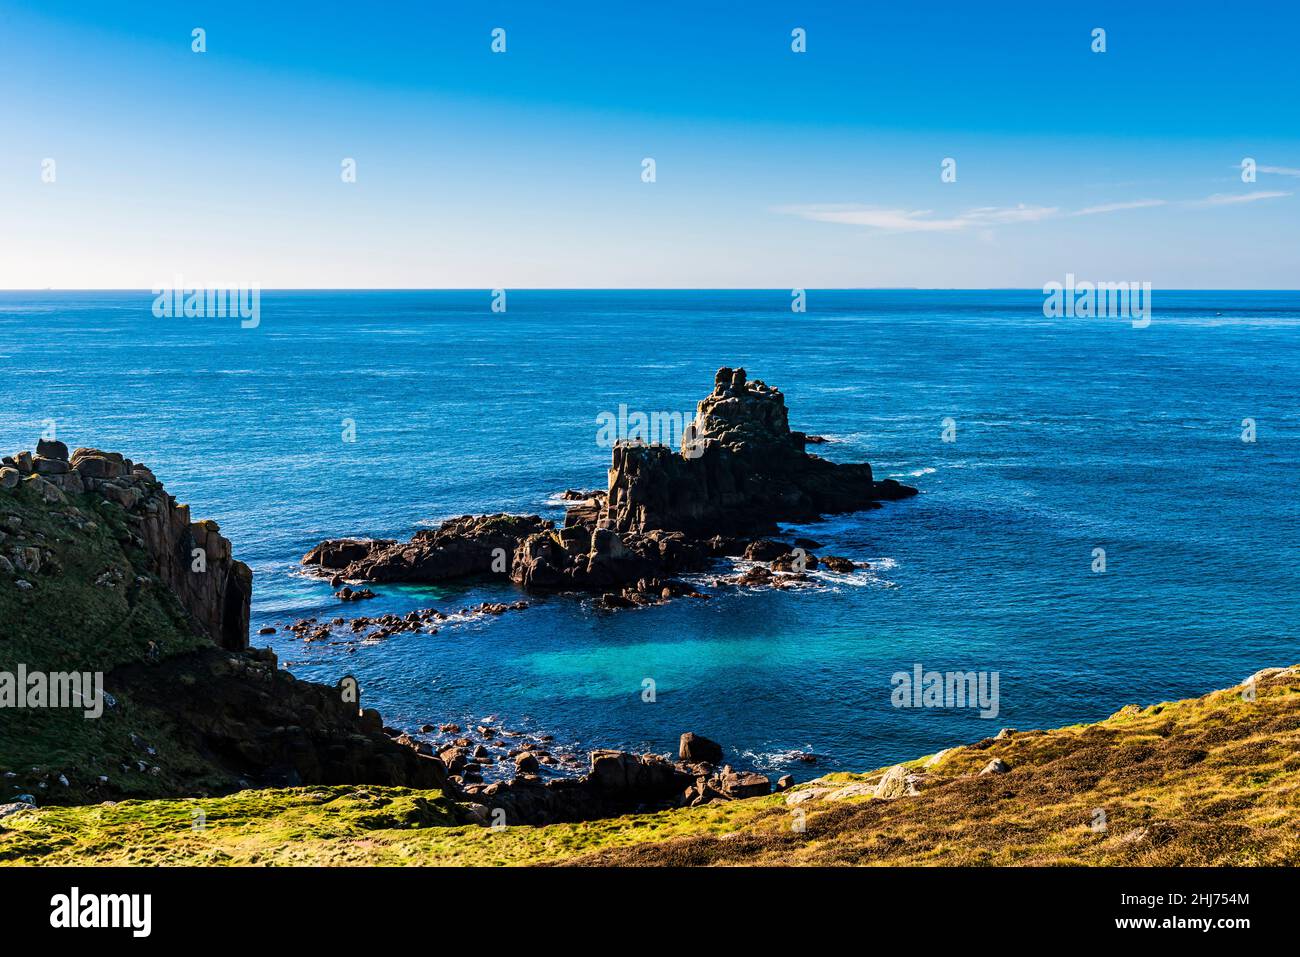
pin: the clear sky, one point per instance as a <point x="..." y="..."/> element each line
<point x="524" y="169"/>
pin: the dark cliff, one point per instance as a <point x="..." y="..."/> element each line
<point x="103" y="573"/>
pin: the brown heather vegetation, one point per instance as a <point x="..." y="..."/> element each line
<point x="1209" y="781"/>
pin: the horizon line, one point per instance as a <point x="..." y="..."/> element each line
<point x="651" y="289"/>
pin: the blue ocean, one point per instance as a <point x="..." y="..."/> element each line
<point x="1067" y="436"/>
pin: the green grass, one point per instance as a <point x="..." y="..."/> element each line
<point x="326" y="826"/>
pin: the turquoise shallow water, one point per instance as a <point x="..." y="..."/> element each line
<point x="1072" y="434"/>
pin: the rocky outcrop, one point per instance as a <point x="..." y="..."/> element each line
<point x="368" y="628"/>
<point x="599" y="559"/>
<point x="265" y="728"/>
<point x="618" y="782"/>
<point x="458" y="548"/>
<point x="741" y="470"/>
<point x="192" y="559"/>
<point x="101" y="571"/>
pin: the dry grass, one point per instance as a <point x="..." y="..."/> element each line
<point x="1209" y="781"/>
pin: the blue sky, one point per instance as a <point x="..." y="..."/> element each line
<point x="523" y="169"/>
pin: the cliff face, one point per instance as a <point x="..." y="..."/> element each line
<point x="190" y="559"/>
<point x="101" y="571"/>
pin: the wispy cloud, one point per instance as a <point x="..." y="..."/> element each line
<point x="1118" y="207"/>
<point x="1279" y="170"/>
<point x="984" y="217"/>
<point x="1231" y="199"/>
<point x="920" y="220"/>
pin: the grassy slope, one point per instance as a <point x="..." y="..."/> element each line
<point x="1212" y="780"/>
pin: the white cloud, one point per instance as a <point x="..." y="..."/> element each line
<point x="985" y="217"/>
<point x="1118" y="207"/>
<point x="1279" y="170"/>
<point x="920" y="220"/>
<point x="1229" y="199"/>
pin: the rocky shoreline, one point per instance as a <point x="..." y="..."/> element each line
<point x="101" y="567"/>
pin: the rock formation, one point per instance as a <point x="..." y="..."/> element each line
<point x="192" y="559"/>
<point x="617" y="783"/>
<point x="458" y="548"/>
<point x="101" y="571"/>
<point x="740" y="472"/>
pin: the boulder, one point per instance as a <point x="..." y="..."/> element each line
<point x="48" y="466"/>
<point x="893" y="784"/>
<point x="766" y="550"/>
<point x="526" y="763"/>
<point x="14" y="807"/>
<point x="837" y="564"/>
<point x="744" y="784"/>
<point x="94" y="463"/>
<point x="52" y="449"/>
<point x="696" y="748"/>
<point x="795" y="561"/>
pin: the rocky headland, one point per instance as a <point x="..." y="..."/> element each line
<point x="740" y="473"/>
<point x="1207" y="781"/>
<point x="102" y="571"/>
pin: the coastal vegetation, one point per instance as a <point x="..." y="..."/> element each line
<point x="1213" y="780"/>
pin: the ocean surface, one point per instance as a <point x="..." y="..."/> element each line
<point x="1070" y="435"/>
